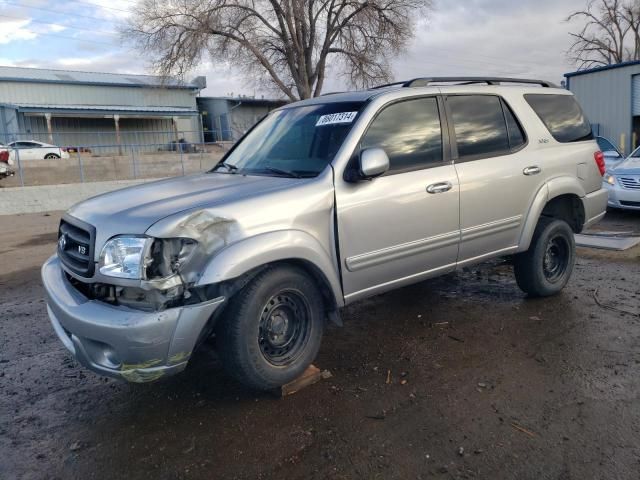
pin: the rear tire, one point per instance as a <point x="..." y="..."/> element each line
<point x="546" y="267"/>
<point x="272" y="329"/>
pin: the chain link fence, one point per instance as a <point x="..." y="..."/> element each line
<point x="123" y="156"/>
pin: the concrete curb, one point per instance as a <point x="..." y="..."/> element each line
<point x="45" y="198"/>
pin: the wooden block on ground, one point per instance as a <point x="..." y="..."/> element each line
<point x="310" y="376"/>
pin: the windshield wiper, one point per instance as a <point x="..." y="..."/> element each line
<point x="230" y="167"/>
<point x="284" y="173"/>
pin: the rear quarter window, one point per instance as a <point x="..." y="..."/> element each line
<point x="562" y="116"/>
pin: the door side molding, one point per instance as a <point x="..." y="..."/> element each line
<point x="377" y="257"/>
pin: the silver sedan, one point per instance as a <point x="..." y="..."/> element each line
<point x="623" y="183"/>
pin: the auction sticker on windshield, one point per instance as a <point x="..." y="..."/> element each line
<point x="333" y="118"/>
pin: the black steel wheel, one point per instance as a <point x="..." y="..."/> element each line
<point x="556" y="258"/>
<point x="546" y="267"/>
<point x="272" y="329"/>
<point x="284" y="327"/>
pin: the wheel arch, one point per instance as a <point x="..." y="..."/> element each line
<point x="559" y="198"/>
<point x="294" y="247"/>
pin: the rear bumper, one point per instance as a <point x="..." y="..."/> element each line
<point x="121" y="342"/>
<point x="595" y="206"/>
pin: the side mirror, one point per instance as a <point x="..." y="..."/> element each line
<point x="611" y="154"/>
<point x="373" y="162"/>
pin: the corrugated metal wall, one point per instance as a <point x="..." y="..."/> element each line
<point x="606" y="97"/>
<point x="61" y="94"/>
<point x="635" y="95"/>
<point x="99" y="134"/>
<point x="8" y="123"/>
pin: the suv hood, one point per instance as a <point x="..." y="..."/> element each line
<point x="134" y="209"/>
<point x="630" y="166"/>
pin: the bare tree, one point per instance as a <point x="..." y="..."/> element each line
<point x="288" y="44"/>
<point x="611" y="33"/>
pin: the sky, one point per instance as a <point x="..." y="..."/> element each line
<point x="521" y="38"/>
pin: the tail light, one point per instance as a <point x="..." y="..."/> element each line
<point x="599" y="158"/>
<point x="4" y="156"/>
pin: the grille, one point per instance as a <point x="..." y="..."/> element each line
<point x="75" y="245"/>
<point x="630" y="182"/>
<point x="629" y="204"/>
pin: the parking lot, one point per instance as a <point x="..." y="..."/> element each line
<point x="457" y="377"/>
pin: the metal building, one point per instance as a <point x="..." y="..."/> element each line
<point x="226" y="119"/>
<point x="610" y="96"/>
<point x="99" y="110"/>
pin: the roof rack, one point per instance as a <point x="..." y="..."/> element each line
<point x="423" y="82"/>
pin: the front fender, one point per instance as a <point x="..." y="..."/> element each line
<point x="245" y="255"/>
<point x="550" y="190"/>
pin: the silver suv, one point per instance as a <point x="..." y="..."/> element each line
<point x="325" y="202"/>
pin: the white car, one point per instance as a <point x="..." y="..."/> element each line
<point x="32" y="150"/>
<point x="623" y="183"/>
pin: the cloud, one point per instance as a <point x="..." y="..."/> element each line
<point x="56" y="27"/>
<point x="527" y="38"/>
<point x="112" y="62"/>
<point x="15" y="30"/>
<point x="492" y="37"/>
<point x="26" y="63"/>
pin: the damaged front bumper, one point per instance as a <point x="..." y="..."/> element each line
<point x="118" y="341"/>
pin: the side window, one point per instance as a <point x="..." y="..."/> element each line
<point x="562" y="116"/>
<point x="409" y="132"/>
<point x="479" y="125"/>
<point x="514" y="129"/>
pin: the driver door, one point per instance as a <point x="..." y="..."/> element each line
<point x="26" y="150"/>
<point x="403" y="226"/>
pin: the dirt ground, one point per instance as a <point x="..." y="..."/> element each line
<point x="484" y="383"/>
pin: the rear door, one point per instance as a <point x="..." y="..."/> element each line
<point x="498" y="175"/>
<point x="402" y="226"/>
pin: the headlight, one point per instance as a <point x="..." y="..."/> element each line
<point x="610" y="179"/>
<point x="124" y="257"/>
<point x="168" y="255"/>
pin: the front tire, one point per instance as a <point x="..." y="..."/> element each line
<point x="546" y="267"/>
<point x="51" y="156"/>
<point x="272" y="329"/>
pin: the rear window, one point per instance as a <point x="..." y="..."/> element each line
<point x="562" y="116"/>
<point x="478" y="121"/>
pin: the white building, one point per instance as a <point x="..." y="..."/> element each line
<point x="101" y="111"/>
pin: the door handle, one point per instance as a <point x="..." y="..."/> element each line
<point x="440" y="187"/>
<point x="532" y="170"/>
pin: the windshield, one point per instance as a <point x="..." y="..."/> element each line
<point x="295" y="142"/>
<point x="605" y="145"/>
<point x="635" y="153"/>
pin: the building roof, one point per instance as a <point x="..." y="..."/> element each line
<point x="603" y="68"/>
<point x="253" y="100"/>
<point x="40" y="75"/>
<point x="106" y="109"/>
